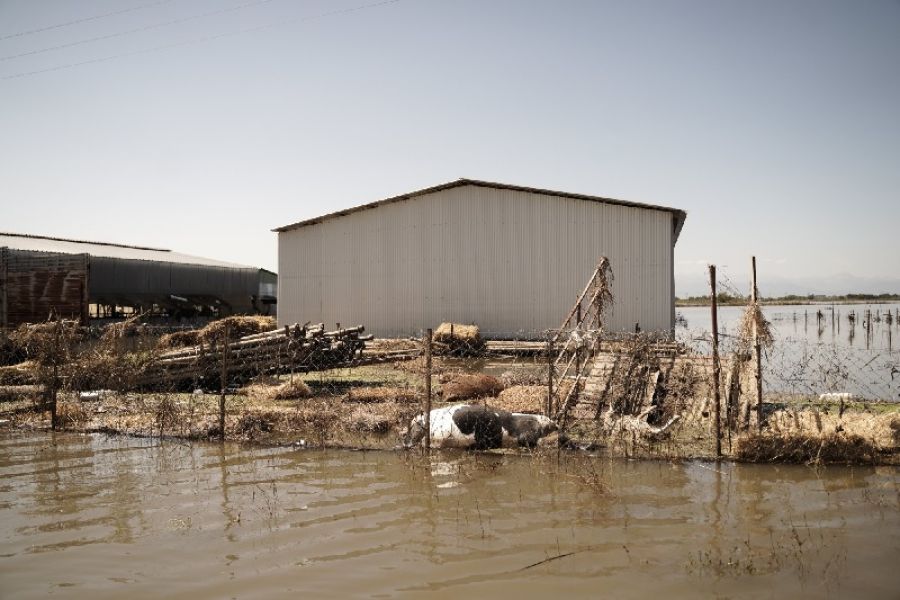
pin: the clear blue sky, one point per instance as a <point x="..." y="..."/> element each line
<point x="776" y="125"/>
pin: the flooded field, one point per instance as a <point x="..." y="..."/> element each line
<point x="818" y="348"/>
<point x="110" y="517"/>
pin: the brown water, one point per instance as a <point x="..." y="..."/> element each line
<point x="90" y="516"/>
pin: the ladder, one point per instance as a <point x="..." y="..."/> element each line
<point x="573" y="347"/>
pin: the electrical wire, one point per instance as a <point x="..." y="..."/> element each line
<point x="201" y="40"/>
<point x="211" y="13"/>
<point x="84" y="20"/>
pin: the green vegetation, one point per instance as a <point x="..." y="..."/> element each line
<point x="726" y="299"/>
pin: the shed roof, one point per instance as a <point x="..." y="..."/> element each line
<point x="679" y="215"/>
<point x="40" y="243"/>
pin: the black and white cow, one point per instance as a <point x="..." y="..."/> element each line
<point x="479" y="427"/>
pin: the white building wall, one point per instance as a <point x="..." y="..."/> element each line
<point x="510" y="261"/>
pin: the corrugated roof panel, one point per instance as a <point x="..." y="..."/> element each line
<point x="63" y="246"/>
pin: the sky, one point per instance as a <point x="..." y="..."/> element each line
<point x="200" y="125"/>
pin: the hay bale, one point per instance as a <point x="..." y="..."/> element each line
<point x="458" y="339"/>
<point x="529" y="399"/>
<point x="806" y="448"/>
<point x="465" y="387"/>
<point x="381" y="394"/>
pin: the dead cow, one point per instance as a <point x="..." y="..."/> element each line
<point x="479" y="428"/>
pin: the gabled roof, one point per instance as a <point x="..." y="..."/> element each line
<point x="40" y="243"/>
<point x="679" y="215"/>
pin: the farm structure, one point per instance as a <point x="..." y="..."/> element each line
<point x="40" y="276"/>
<point x="508" y="258"/>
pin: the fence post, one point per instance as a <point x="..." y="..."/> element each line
<point x="757" y="354"/>
<point x="224" y="381"/>
<point x="715" y="350"/>
<point x="55" y="385"/>
<point x="427" y="340"/>
<point x="550" y="359"/>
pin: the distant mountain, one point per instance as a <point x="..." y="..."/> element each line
<point x="690" y="284"/>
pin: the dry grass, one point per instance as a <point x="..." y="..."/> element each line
<point x="20" y="374"/>
<point x="179" y="339"/>
<point x="381" y="418"/>
<point x="72" y="414"/>
<point x="806" y="448"/>
<point x="879" y="429"/>
<point x="371" y="394"/>
<point x="521" y="398"/>
<point x="294" y="390"/>
<point x="753" y="318"/>
<point x="465" y="387"/>
<point x="265" y="391"/>
<point x="524" y="376"/>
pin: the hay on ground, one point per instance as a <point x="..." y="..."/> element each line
<point x="269" y="390"/>
<point x="466" y="387"/>
<point x="524" y="376"/>
<point x="806" y="448"/>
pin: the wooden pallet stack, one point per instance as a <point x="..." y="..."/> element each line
<point x="291" y="349"/>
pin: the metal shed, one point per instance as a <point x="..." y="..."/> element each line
<point x="511" y="259"/>
<point x="40" y="275"/>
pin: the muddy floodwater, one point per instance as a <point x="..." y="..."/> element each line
<point x="92" y="516"/>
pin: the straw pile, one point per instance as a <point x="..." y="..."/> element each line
<point x="457" y="339"/>
<point x="179" y="339"/>
<point x="238" y="327"/>
<point x="465" y="387"/>
<point x="530" y="399"/>
<point x="293" y="390"/>
<point x="806" y="448"/>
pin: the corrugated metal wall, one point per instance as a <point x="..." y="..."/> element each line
<point x="144" y="282"/>
<point x="513" y="262"/>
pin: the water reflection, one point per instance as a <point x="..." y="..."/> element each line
<point x="213" y="520"/>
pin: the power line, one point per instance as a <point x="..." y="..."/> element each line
<point x="84" y="20"/>
<point x="201" y="40"/>
<point x="138" y="29"/>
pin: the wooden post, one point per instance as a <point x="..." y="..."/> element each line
<point x="4" y="275"/>
<point x="715" y="350"/>
<point x="550" y="358"/>
<point x="224" y="381"/>
<point x="55" y="385"/>
<point x="428" y="334"/>
<point x="757" y="356"/>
